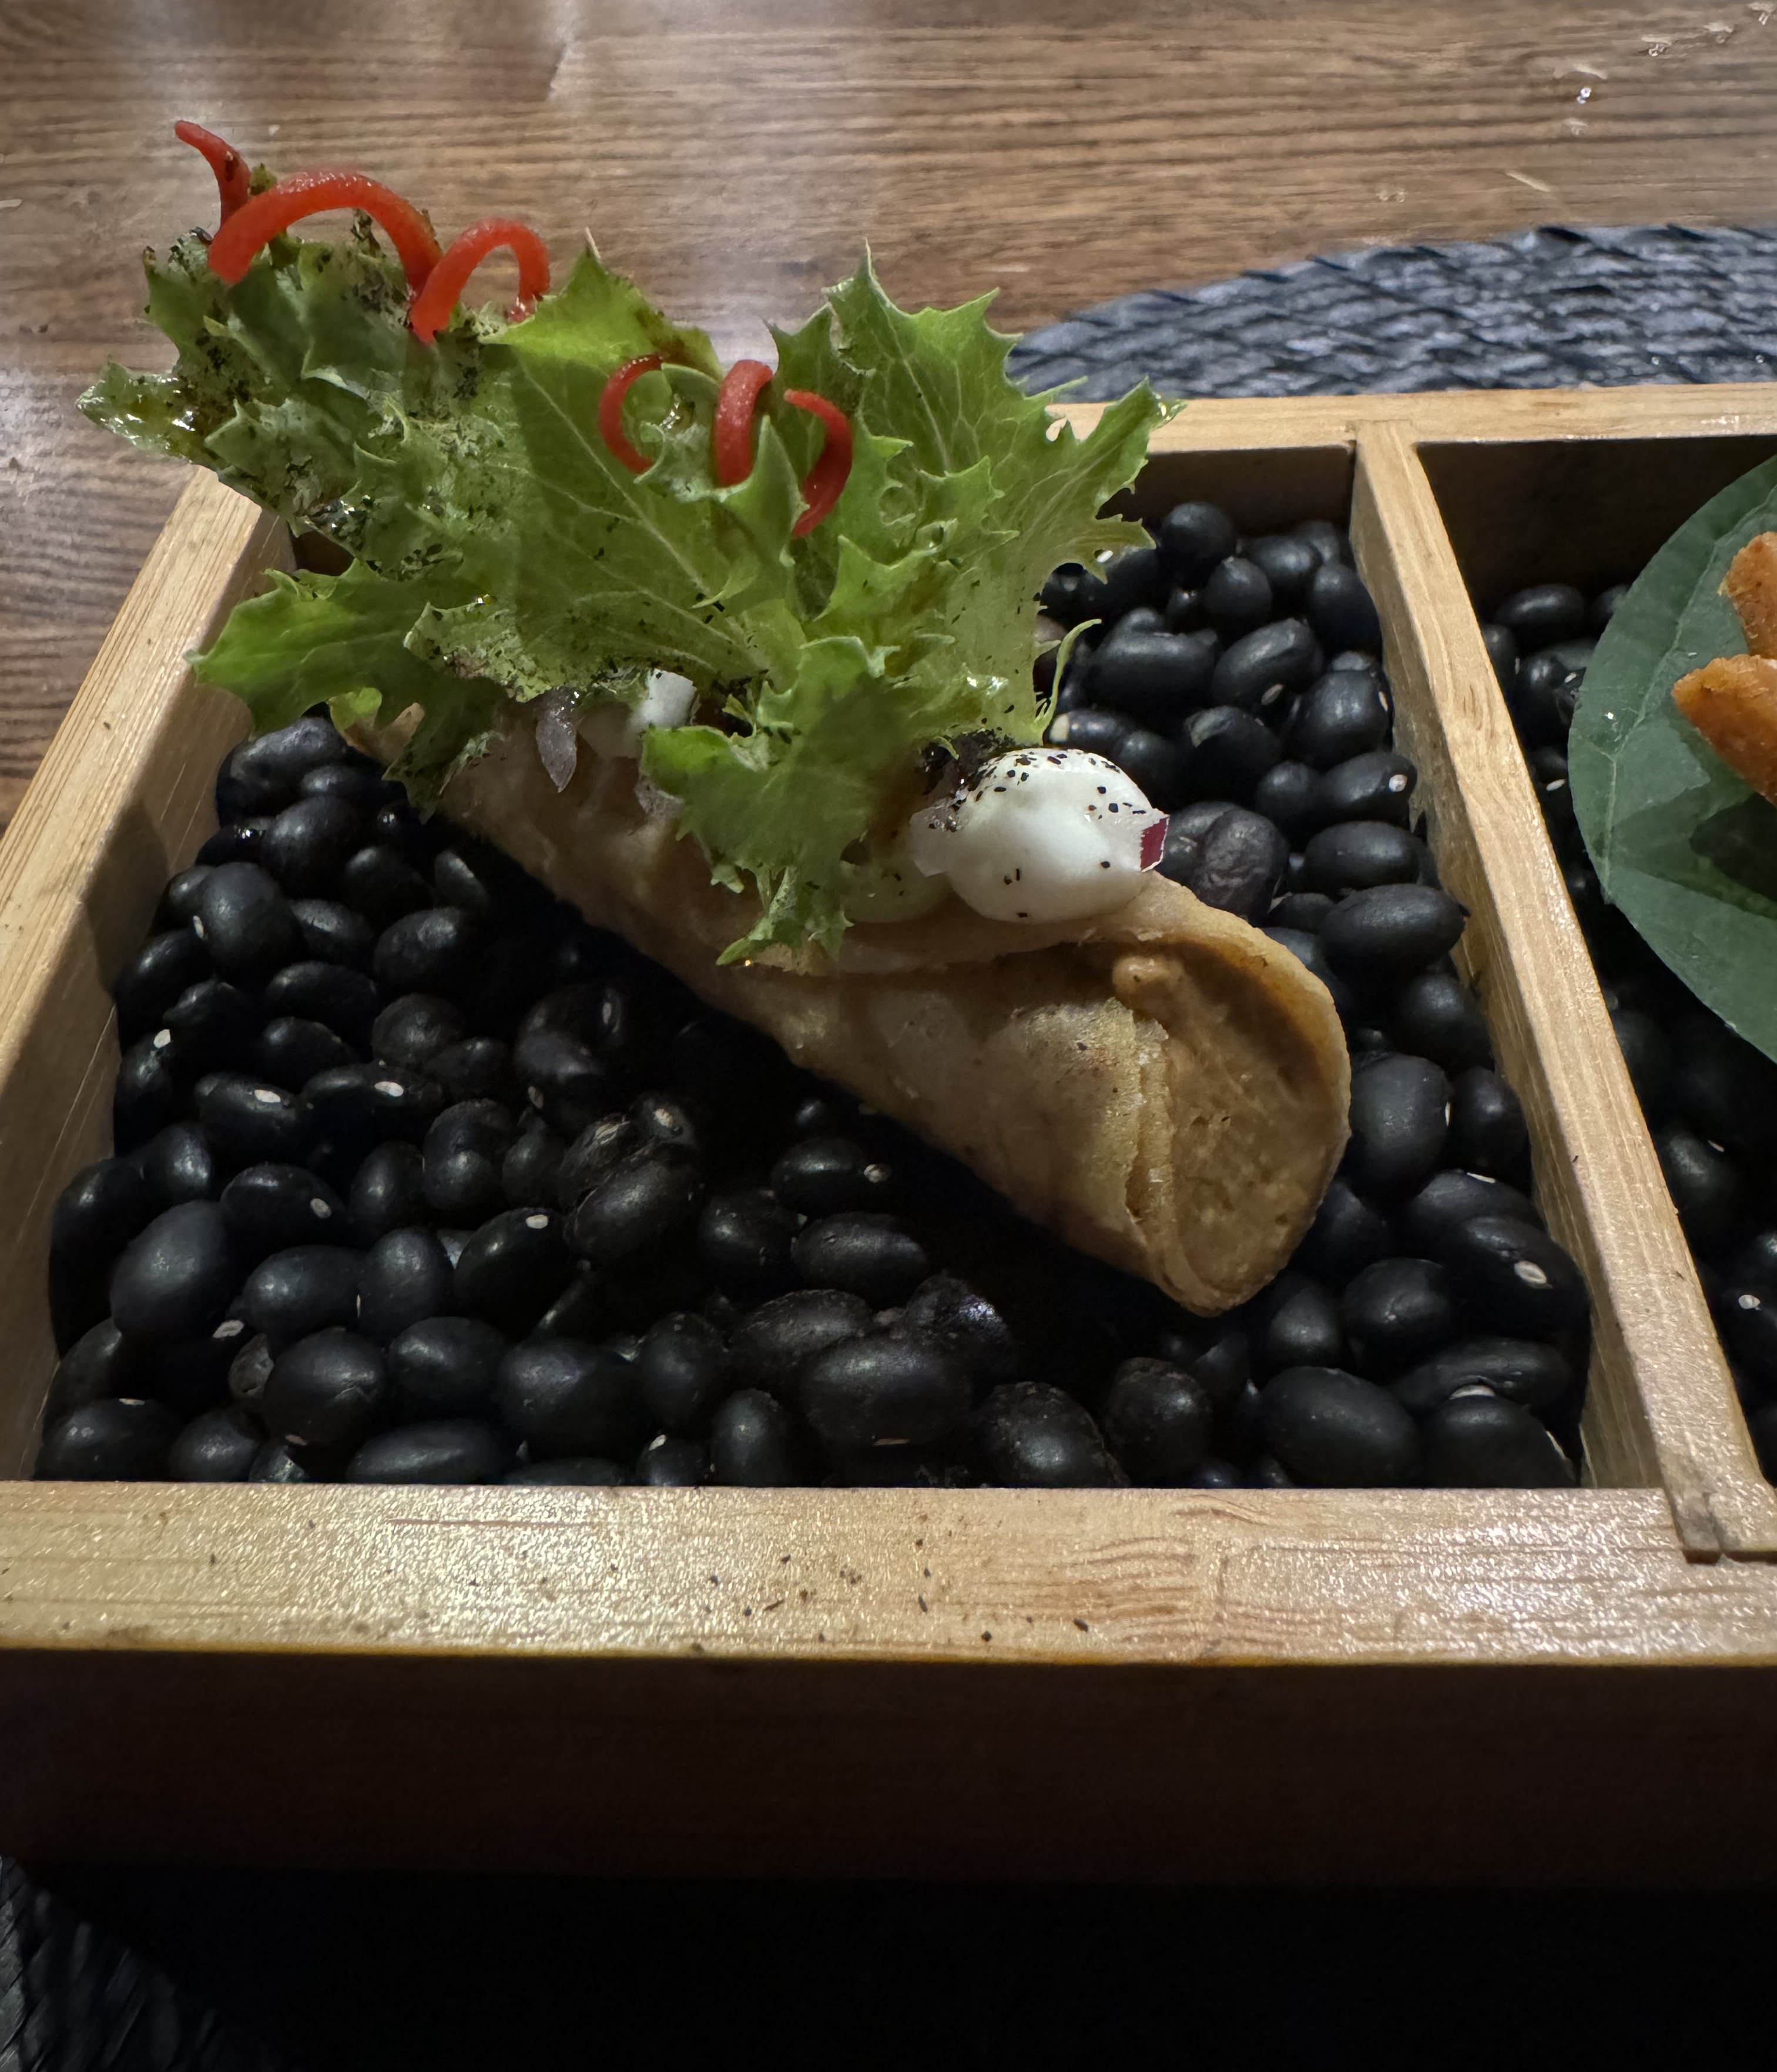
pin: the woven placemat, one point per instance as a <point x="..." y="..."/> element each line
<point x="1552" y="308"/>
<point x="1548" y="309"/>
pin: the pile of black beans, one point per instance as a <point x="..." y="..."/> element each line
<point x="1710" y="1098"/>
<point x="1427" y="1330"/>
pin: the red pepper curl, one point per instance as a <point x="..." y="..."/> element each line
<point x="224" y="161"/>
<point x="731" y="435"/>
<point x="824" y="483"/>
<point x="265" y="215"/>
<point x="445" y="282"/>
<point x="610" y="411"/>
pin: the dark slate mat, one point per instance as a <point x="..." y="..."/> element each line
<point x="1548" y="309"/>
<point x="1552" y="308"/>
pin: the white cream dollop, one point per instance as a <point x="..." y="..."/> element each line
<point x="615" y="729"/>
<point x="1044" y="834"/>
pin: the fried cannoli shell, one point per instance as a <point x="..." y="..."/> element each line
<point x="1162" y="1086"/>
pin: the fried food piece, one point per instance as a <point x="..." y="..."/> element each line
<point x="1751" y="587"/>
<point x="1162" y="1086"/>
<point x="1732" y="702"/>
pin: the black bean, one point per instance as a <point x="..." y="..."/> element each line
<point x="96" y="1214"/>
<point x="1289" y="565"/>
<point x="1132" y="579"/>
<point x="1157" y="1421"/>
<point x="1748" y="1319"/>
<point x="1180" y="854"/>
<point x="948" y="1308"/>
<point x="1260" y="670"/>
<point x="1347" y="1234"/>
<point x="213" y="1024"/>
<point x="388" y="1191"/>
<point x="824" y="1175"/>
<point x="873" y="1256"/>
<point x="529" y="1173"/>
<point x="1298" y="1325"/>
<point x="1376" y="785"/>
<point x="365" y="1105"/>
<point x="1724" y="1088"/>
<point x="1305" y="912"/>
<point x="464" y="1154"/>
<point x="1522" y="1371"/>
<point x="346" y="1001"/>
<point x="1331" y="542"/>
<point x="1487" y="1132"/>
<point x="1705" y="1184"/>
<point x="1030" y="1436"/>
<point x="771" y="1345"/>
<point x="1351" y="856"/>
<point x="333" y="933"/>
<point x="1399" y="1119"/>
<point x="1543" y="612"/>
<point x="326" y="1390"/>
<point x="1193" y="539"/>
<point x="449" y="1452"/>
<point x="887" y="1386"/>
<point x="380" y="883"/>
<point x="1502" y="647"/>
<point x="218" y="1445"/>
<point x="1330" y="1429"/>
<point x="638" y="1207"/>
<point x="1306" y="949"/>
<point x="435" y="951"/>
<point x="1454" y="1197"/>
<point x="262" y="773"/>
<point x="512" y="1268"/>
<point x="1755" y="1262"/>
<point x="1090" y="728"/>
<point x="594" y="1155"/>
<point x="112" y="1440"/>
<point x="1228" y="752"/>
<point x="1239" y="864"/>
<point x="1344" y="714"/>
<point x="475" y="875"/>
<point x="359" y="784"/>
<point x="245" y="921"/>
<point x="154" y="978"/>
<point x="1479" y="1442"/>
<point x="1236" y="597"/>
<point x="249" y="1121"/>
<point x="1156" y="764"/>
<point x="279" y="1461"/>
<point x="179" y="1166"/>
<point x="306" y="846"/>
<point x="445" y="1367"/>
<point x="1514" y="1277"/>
<point x="102" y="1362"/>
<point x="666" y="1123"/>
<point x="1396" y="1313"/>
<point x="580" y="1474"/>
<point x="236" y="844"/>
<point x="146" y="1096"/>
<point x="567" y="1398"/>
<point x="176" y="1279"/>
<point x="1342" y="611"/>
<point x="1542" y="701"/>
<point x="1554" y="794"/>
<point x="665" y="1462"/>
<point x="250" y="1371"/>
<point x="1383" y="936"/>
<point x="294" y="1293"/>
<point x="744" y="1239"/>
<point x="1648" y="1054"/>
<point x="190" y="1374"/>
<point x="682" y="1371"/>
<point x="752" y="1442"/>
<point x="290" y="1051"/>
<point x="412" y="1030"/>
<point x="564" y="1079"/>
<point x="1436" y="1016"/>
<point x="405" y="1279"/>
<point x="1154" y="677"/>
<point x="1286" y="797"/>
<point x="478" y="1068"/>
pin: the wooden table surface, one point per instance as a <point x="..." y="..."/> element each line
<point x="734" y="154"/>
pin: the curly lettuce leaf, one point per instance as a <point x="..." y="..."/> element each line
<point x="500" y="551"/>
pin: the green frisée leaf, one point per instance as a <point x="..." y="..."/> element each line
<point x="1685" y="847"/>
<point x="500" y="551"/>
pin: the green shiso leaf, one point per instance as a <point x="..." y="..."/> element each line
<point x="501" y="552"/>
<point x="1685" y="847"/>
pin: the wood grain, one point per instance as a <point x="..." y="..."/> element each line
<point x="736" y="156"/>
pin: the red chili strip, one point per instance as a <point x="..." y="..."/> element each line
<point x="254" y="224"/>
<point x="224" y="161"/>
<point x="731" y="438"/>
<point x="610" y="411"/>
<point x="445" y="282"/>
<point x="826" y="481"/>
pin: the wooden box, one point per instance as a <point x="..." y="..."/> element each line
<point x="1313" y="1685"/>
